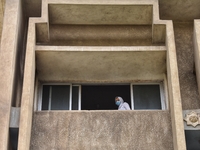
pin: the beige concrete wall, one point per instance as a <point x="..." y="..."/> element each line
<point x="11" y="42"/>
<point x="102" y="130"/>
<point x="168" y="9"/>
<point x="179" y="10"/>
<point x="97" y="35"/>
<point x="183" y="32"/>
<point x="102" y="64"/>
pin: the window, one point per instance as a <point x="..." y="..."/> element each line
<point x="101" y="97"/>
<point x="147" y="96"/>
<point x="192" y="139"/>
<point x="60" y="97"/>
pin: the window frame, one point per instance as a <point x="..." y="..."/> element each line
<point x="162" y="87"/>
<point x="49" y="105"/>
<point x="79" y="95"/>
<point x="162" y="93"/>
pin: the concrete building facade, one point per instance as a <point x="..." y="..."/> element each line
<point x="62" y="62"/>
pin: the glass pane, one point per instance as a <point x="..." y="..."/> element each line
<point x="60" y="97"/>
<point x="146" y="97"/>
<point x="192" y="139"/>
<point x="45" y="97"/>
<point x="75" y="94"/>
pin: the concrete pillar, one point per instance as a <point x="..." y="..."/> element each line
<point x="28" y="91"/>
<point x="174" y="91"/>
<point x="8" y="52"/>
<point x="196" y="42"/>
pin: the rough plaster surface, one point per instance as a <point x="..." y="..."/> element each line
<point x="101" y="14"/>
<point x="179" y="10"/>
<point x="185" y="57"/>
<point x="100" y="35"/>
<point x="169" y="9"/>
<point x="102" y="130"/>
<point x="174" y="90"/>
<point x="100" y="65"/>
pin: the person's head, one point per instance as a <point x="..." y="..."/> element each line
<point x="118" y="100"/>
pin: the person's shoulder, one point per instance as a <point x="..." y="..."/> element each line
<point x="126" y="103"/>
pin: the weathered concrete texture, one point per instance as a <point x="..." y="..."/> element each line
<point x="185" y="57"/>
<point x="174" y="90"/>
<point x="169" y="9"/>
<point x="102" y="130"/>
<point x="100" y="35"/>
<point x="180" y="10"/>
<point x="33" y="8"/>
<point x="83" y="66"/>
<point x="100" y="14"/>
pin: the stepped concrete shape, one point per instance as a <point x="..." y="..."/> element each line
<point x="38" y="57"/>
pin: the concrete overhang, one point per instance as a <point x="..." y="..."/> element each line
<point x="177" y="10"/>
<point x="102" y="23"/>
<point x="102" y="14"/>
<point x="100" y="64"/>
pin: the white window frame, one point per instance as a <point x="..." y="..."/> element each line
<point x="162" y="85"/>
<point x="162" y="93"/>
<point x="79" y="96"/>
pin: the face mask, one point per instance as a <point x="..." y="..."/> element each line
<point x="117" y="103"/>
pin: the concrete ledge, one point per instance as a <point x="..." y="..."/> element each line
<point x="105" y="130"/>
<point x="100" y="48"/>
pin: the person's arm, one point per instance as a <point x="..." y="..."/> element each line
<point x="127" y="107"/>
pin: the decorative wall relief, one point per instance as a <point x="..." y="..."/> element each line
<point x="192" y="119"/>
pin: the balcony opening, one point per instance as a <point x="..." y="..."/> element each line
<point x="102" y="97"/>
